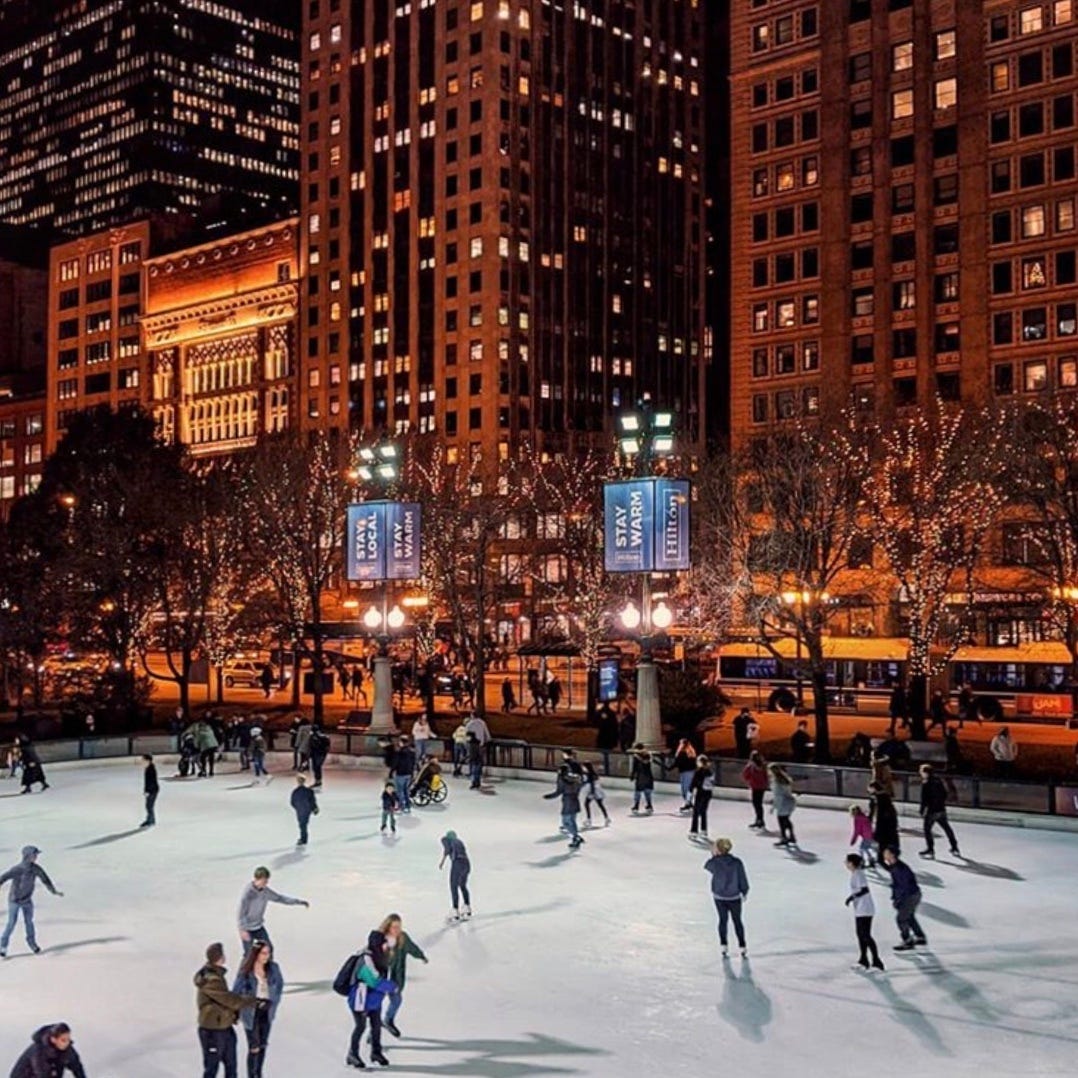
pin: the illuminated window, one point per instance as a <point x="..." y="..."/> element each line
<point x="946" y="93"/>
<point x="901" y="104"/>
<point x="477" y="11"/>
<point x="1032" y="221"/>
<point x="902" y="56"/>
<point x="784" y="176"/>
<point x="315" y="41"/>
<point x="69" y="270"/>
<point x="335" y="33"/>
<point x="1062" y="11"/>
<point x="1000" y="76"/>
<point x="1065" y="215"/>
<point x="1031" y="20"/>
<point x="1034" y="274"/>
<point x="99" y="262"/>
<point x="945" y="44"/>
<point x="785" y="314"/>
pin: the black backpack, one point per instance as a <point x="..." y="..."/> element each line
<point x="346" y="976"/>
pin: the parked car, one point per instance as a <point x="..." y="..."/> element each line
<point x="246" y="674"/>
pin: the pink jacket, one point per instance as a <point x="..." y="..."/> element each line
<point x="862" y="829"/>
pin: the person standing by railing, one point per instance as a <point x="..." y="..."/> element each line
<point x="643" y="778"/>
<point x="755" y="777"/>
<point x="1004" y="751"/>
<point x="685" y="762"/>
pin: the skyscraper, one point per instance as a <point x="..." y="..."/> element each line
<point x="114" y="109"/>
<point x="501" y="216"/>
<point x="903" y="192"/>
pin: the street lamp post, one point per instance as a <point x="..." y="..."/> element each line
<point x="798" y="601"/>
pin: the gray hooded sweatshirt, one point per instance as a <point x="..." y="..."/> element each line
<point x="24" y="877"/>
<point x="253" y="905"/>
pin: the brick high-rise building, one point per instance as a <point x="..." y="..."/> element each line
<point x="502" y="218"/>
<point x="903" y="204"/>
<point x="114" y="109"/>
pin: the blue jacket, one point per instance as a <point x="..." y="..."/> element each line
<point x="370" y="988"/>
<point x="247" y="985"/>
<point x="728" y="879"/>
<point x="903" y="882"/>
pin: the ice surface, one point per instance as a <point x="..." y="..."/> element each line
<point x="599" y="963"/>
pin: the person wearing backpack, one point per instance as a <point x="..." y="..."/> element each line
<point x="370" y="984"/>
<point x="701" y="790"/>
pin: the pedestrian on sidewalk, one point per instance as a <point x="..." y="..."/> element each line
<point x="801" y="744"/>
<point x="23" y="878"/>
<point x="400" y="947"/>
<point x="391" y="805"/>
<point x="509" y="699"/>
<point x="743" y="723"/>
<point x="460" y="868"/>
<point x="862" y="834"/>
<point x="864" y="909"/>
<point x="729" y="889"/>
<point x="304" y="805"/>
<point x="643" y="778"/>
<point x="685" y="762"/>
<point x="898" y="706"/>
<point x="593" y="791"/>
<point x="701" y="790"/>
<point x="755" y="776"/>
<point x="257" y="895"/>
<point x="568" y="789"/>
<point x="905" y="897"/>
<point x="934" y="811"/>
<point x="218" y="1011"/>
<point x="1004" y="750"/>
<point x="150" y="790"/>
<point x="783" y="803"/>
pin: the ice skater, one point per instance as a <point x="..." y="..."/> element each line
<point x="701" y="790"/>
<point x="754" y="776"/>
<point x="258" y="752"/>
<point x="864" y="909"/>
<point x="568" y="789"/>
<point x="881" y="810"/>
<point x="729" y="889"/>
<point x="403" y="769"/>
<point x="50" y="1054"/>
<point x="23" y="878"/>
<point x="862" y="834"/>
<point x="257" y="895"/>
<point x="905" y="897"/>
<point x="218" y="1011"/>
<point x="685" y="763"/>
<point x="460" y="868"/>
<point x="475" y="761"/>
<point x="318" y="747"/>
<point x="783" y="803"/>
<point x="32" y="771"/>
<point x="421" y="735"/>
<point x="401" y="947"/>
<point x="365" y="998"/>
<point x="261" y="977"/>
<point x="150" y="789"/>
<point x="390" y="807"/>
<point x="305" y="805"/>
<point x="643" y="778"/>
<point x="593" y="791"/>
<point x="934" y="811"/>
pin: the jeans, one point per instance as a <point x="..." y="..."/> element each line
<point x="150" y="801"/>
<point x="395" y="1001"/>
<point x="257" y="1042"/>
<point x="786" y="830"/>
<point x="206" y="759"/>
<point x="317" y="763"/>
<point x="866" y="942"/>
<point x="758" y="806"/>
<point x="730" y="908"/>
<point x="258" y="759"/>
<point x="637" y="794"/>
<point x="259" y="933"/>
<point x="303" y="820"/>
<point x="568" y="823"/>
<point x="389" y="818"/>
<point x="421" y="750"/>
<point x="933" y="818"/>
<point x="458" y="883"/>
<point x="685" y="781"/>
<point x="245" y="759"/>
<point x="402" y="783"/>
<point x="476" y="772"/>
<point x="360" y="1019"/>
<point x="906" y="918"/>
<point x="218" y="1047"/>
<point x="699" y="810"/>
<point x="13" y="910"/>
<point x="460" y="757"/>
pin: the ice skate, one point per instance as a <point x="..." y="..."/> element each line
<point x="355" y="1061"/>
<point x="955" y="852"/>
<point x="576" y="843"/>
<point x="744" y="952"/>
<point x="905" y="945"/>
<point x="467" y="914"/>
<point x="391" y="1026"/>
<point x="928" y="853"/>
<point x="648" y="811"/>
<point x="920" y="941"/>
<point x="453" y="918"/>
<point x="725" y="951"/>
<point x="380" y="1059"/>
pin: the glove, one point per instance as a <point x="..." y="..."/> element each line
<point x="849" y="900"/>
<point x="306" y="905"/>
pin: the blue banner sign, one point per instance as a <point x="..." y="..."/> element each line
<point x="609" y="680"/>
<point x="365" y="541"/>
<point x="646" y="525"/>
<point x="671" y="524"/>
<point x="629" y="532"/>
<point x="403" y="540"/>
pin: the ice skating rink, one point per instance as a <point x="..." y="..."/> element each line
<point x="599" y="963"/>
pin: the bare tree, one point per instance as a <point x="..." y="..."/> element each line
<point x="931" y="493"/>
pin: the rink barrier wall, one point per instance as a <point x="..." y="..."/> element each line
<point x="819" y="786"/>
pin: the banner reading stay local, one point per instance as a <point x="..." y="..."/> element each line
<point x="646" y="525"/>
<point x="383" y="541"/>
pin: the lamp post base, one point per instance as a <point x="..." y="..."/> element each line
<point x="649" y="730"/>
<point x="382" y="720"/>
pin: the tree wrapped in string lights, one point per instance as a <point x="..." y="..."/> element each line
<point x="934" y="486"/>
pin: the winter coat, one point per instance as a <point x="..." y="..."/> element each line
<point x="404" y="764"/>
<point x="703" y="779"/>
<point x="862" y="829"/>
<point x="685" y="761"/>
<point x="318" y="744"/>
<point x="728" y="878"/>
<point x="149" y="780"/>
<point x="398" y="959"/>
<point x="1004" y="749"/>
<point x="903" y="882"/>
<point x="390" y="801"/>
<point x="641" y="774"/>
<point x="478" y="727"/>
<point x="933" y="795"/>
<point x="568" y="789"/>
<point x="218" y="1008"/>
<point x="475" y="752"/>
<point x="782" y="798"/>
<point x="303" y="739"/>
<point x="370" y="988"/>
<point x="304" y="801"/>
<point x="246" y="984"/>
<point x="421" y="730"/>
<point x="883" y="776"/>
<point x="593" y="788"/>
<point x="24" y="876"/>
<point x="755" y="778"/>
<point x="253" y="904"/>
<point x="884" y="820"/>
<point x="43" y="1060"/>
